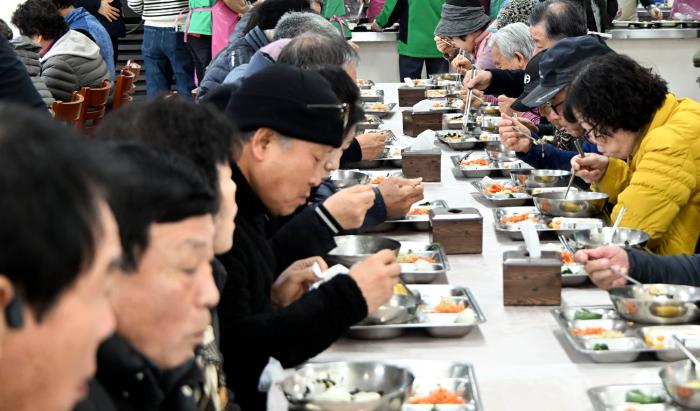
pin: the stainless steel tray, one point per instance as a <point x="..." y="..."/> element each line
<point x="431" y="83"/>
<point x="612" y="397"/>
<point x="370" y="121"/>
<point x="379" y="113"/>
<point x="513" y="232"/>
<point x="466" y="141"/>
<point x="417" y="222"/>
<point x="635" y="341"/>
<point x="365" y="84"/>
<point x="450" y="106"/>
<point x="438" y="327"/>
<point x="386" y="159"/>
<point x="391" y="137"/>
<point x="494" y="168"/>
<point x="435" y="251"/>
<point x="453" y="121"/>
<point x="519" y="199"/>
<point x="372" y="95"/>
<point x="457" y="376"/>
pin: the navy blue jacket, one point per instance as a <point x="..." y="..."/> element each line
<point x="554" y="158"/>
<point x="115" y="28"/>
<point x="679" y="269"/>
<point x="234" y="55"/>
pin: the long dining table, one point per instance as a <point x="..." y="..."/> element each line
<point x="521" y="357"/>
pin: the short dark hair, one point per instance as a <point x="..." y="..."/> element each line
<point x="170" y="189"/>
<point x="198" y="132"/>
<point x="313" y="51"/>
<point x="39" y="17"/>
<point x="63" y="4"/>
<point x="271" y="11"/>
<point x="347" y="92"/>
<point x="614" y="92"/>
<point x="51" y="183"/>
<point x="5" y="30"/>
<point x="561" y="18"/>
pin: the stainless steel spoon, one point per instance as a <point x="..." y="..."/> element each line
<point x="625" y="276"/>
<point x="568" y="186"/>
<point x="686" y="351"/>
<point x="612" y="231"/>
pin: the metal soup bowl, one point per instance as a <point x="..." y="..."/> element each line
<point x="490" y="110"/>
<point x="392" y="382"/>
<point x="657" y="303"/>
<point x="540" y="178"/>
<point x="499" y="152"/>
<point x="675" y="378"/>
<point x="348" y="178"/>
<point x="399" y="309"/>
<point x="351" y="249"/>
<point x="576" y="204"/>
<point x="623" y="237"/>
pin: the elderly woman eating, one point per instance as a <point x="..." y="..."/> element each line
<point x="650" y="141"/>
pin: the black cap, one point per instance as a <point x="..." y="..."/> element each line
<point x="559" y="65"/>
<point x="530" y="81"/>
<point x="294" y="102"/>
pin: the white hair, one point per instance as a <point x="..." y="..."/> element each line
<point x="295" y="23"/>
<point x="513" y="38"/>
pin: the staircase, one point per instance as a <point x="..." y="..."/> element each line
<point x="130" y="49"/>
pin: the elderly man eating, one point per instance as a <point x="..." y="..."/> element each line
<point x="290" y="122"/>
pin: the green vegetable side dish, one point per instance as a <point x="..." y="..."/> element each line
<point x="601" y="347"/>
<point x="585" y="314"/>
<point x="638" y="397"/>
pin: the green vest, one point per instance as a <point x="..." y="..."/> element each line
<point x="423" y="17"/>
<point x="200" y="21"/>
<point x="336" y="8"/>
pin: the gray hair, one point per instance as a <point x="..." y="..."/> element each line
<point x="295" y="23"/>
<point x="312" y="52"/>
<point x="513" y="38"/>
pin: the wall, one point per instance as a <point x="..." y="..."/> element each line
<point x="6" y="9"/>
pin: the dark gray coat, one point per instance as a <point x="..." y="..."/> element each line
<point x="73" y="62"/>
<point x="28" y="54"/>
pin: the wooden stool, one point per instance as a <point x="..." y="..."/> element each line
<point x="94" y="106"/>
<point x="135" y="68"/>
<point x="123" y="88"/>
<point x="68" y="111"/>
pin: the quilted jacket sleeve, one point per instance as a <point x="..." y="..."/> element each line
<point x="662" y="183"/>
<point x="216" y="72"/>
<point x="616" y="178"/>
<point x="60" y="78"/>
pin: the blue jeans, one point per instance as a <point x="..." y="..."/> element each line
<point x="412" y="67"/>
<point x="165" y="54"/>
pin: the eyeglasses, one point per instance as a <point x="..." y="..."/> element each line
<point x="344" y="110"/>
<point x="548" y="107"/>
<point x="595" y="133"/>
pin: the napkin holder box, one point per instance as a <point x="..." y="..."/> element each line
<point x="416" y="123"/>
<point x="459" y="230"/>
<point x="426" y="164"/>
<point x="531" y="281"/>
<point x="408" y="96"/>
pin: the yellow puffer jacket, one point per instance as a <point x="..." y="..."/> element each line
<point x="659" y="183"/>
